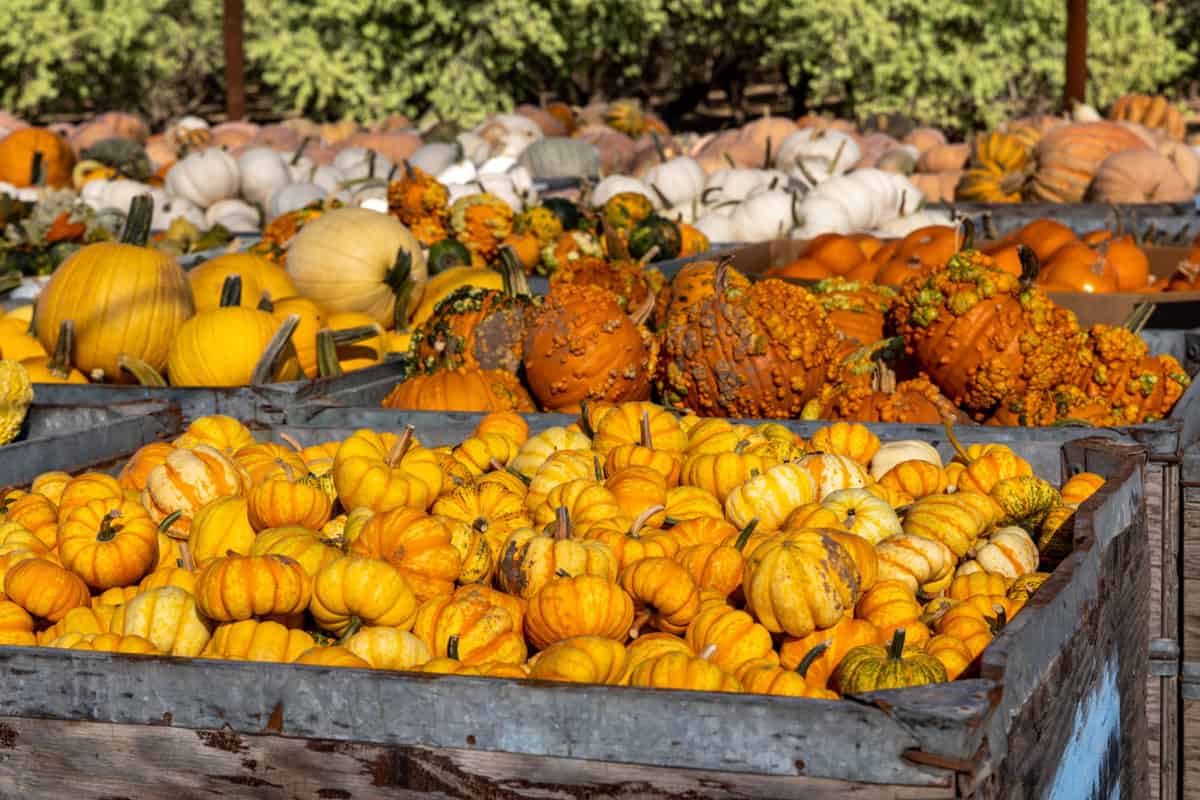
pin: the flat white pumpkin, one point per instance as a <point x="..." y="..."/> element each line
<point x="204" y="177"/>
<point x="263" y="170"/>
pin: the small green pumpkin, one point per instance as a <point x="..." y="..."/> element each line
<point x="446" y="254"/>
<point x="567" y="212"/>
<point x="656" y="232"/>
<point x="1025" y="500"/>
<point x="872" y="667"/>
<point x="625" y="210"/>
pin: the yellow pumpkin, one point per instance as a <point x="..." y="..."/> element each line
<point x="258" y="276"/>
<point x="168" y="618"/>
<point x="799" y="582"/>
<point x="222" y="346"/>
<point x="770" y="497"/>
<point x="124" y="298"/>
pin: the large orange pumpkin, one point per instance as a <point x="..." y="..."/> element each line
<point x="1069" y="157"/>
<point x="17" y="156"/>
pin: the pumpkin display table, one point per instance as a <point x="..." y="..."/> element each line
<point x="1070" y="663"/>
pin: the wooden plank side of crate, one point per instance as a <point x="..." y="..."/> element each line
<point x="1073" y="713"/>
<point x="78" y="449"/>
<point x="263" y="404"/>
<point x="719" y="732"/>
<point x="91" y="761"/>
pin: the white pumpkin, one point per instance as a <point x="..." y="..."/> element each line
<point x="678" y="179"/>
<point x="735" y="185"/>
<point x="345" y="258"/>
<point x="293" y="196"/>
<point x="497" y="165"/>
<point x="473" y="147"/>
<point x="459" y="172"/>
<point x="857" y="197"/>
<point x="359" y="163"/>
<point x="812" y="154"/>
<point x="328" y="177"/>
<point x="503" y="187"/>
<point x="301" y="167"/>
<point x="118" y="194"/>
<point x="168" y="209"/>
<point x="890" y="454"/>
<point x="899" y="227"/>
<point x="766" y="215"/>
<point x="819" y="214"/>
<point x="716" y="227"/>
<point x="614" y="185"/>
<point x="204" y="177"/>
<point x="263" y="170"/>
<point x="237" y="216"/>
<point x="435" y="157"/>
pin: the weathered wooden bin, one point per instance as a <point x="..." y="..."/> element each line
<point x="1057" y="709"/>
<point x="1164" y="441"/>
<point x="1190" y="651"/>
<point x="262" y="404"/>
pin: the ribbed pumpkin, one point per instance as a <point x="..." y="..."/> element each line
<point x="17" y="157"/>
<point x="869" y="668"/>
<point x="355" y="259"/>
<point x="583" y="605"/>
<point x="258" y="276"/>
<point x="1068" y="158"/>
<point x="124" y="298"/>
<point x="222" y="346"/>
<point x="800" y="582"/>
<point x="463" y="389"/>
<point x="582" y="659"/>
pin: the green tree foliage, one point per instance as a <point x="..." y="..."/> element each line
<point x="957" y="63"/>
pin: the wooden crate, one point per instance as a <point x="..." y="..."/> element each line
<point x="1059" y="704"/>
<point x="1189" y="753"/>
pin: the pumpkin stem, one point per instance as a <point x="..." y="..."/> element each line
<point x="658" y="147"/>
<point x="648" y="256"/>
<point x="515" y="282"/>
<point x="408" y="169"/>
<point x="635" y="629"/>
<point x="745" y="535"/>
<point x="292" y="442"/>
<point x="642" y="518"/>
<point x="707" y="653"/>
<point x="37" y="169"/>
<point x="517" y="475"/>
<point x="399" y="278"/>
<point x="304" y="143"/>
<point x="804" y="170"/>
<point x="495" y="464"/>
<point x="328" y="365"/>
<point x="729" y="160"/>
<point x="351" y="629"/>
<point x="401" y="446"/>
<point x="562" y="523"/>
<point x="837" y="155"/>
<point x="810" y="657"/>
<point x="1030" y="267"/>
<point x="562" y="573"/>
<point x="231" y="291"/>
<point x="997" y="623"/>
<point x="265" y="303"/>
<point x="643" y="312"/>
<point x="185" y="557"/>
<point x="145" y="374"/>
<point x="1138" y="317"/>
<point x="278" y="349"/>
<point x="60" y="362"/>
<point x="662" y="198"/>
<point x="585" y="420"/>
<point x="137" y="222"/>
<point x="480" y="525"/>
<point x="597" y="469"/>
<point x="452" y="647"/>
<point x="108" y="531"/>
<point x="948" y="424"/>
<point x="896" y="649"/>
<point x="647" y="440"/>
<point x="967" y="239"/>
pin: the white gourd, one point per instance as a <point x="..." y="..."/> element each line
<point x="263" y="170"/>
<point x="817" y="153"/>
<point x="435" y="157"/>
<point x="293" y="196"/>
<point x="237" y="216"/>
<point x="717" y="227"/>
<point x="820" y="214"/>
<point x="204" y="177"/>
<point x="678" y="179"/>
<point x="458" y="172"/>
<point x="359" y="163"/>
<point x="768" y="215"/>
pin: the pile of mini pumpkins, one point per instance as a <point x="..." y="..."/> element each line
<point x="1099" y="261"/>
<point x="635" y="547"/>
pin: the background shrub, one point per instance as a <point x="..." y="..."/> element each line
<point x="961" y="64"/>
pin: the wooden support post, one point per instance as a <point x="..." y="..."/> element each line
<point x="235" y="63"/>
<point x="1077" y="38"/>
